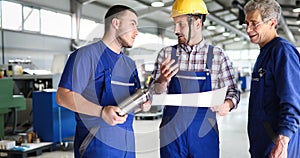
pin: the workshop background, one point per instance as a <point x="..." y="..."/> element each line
<point x="38" y="35"/>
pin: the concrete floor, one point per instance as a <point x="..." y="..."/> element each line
<point x="233" y="136"/>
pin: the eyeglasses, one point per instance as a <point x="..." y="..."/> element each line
<point x="252" y="25"/>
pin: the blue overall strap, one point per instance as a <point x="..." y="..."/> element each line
<point x="210" y="56"/>
<point x="107" y="72"/>
<point x="137" y="84"/>
<point x="173" y="53"/>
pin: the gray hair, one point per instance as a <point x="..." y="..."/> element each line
<point x="270" y="9"/>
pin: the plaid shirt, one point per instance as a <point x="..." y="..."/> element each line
<point x="194" y="59"/>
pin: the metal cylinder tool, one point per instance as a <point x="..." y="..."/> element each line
<point x="135" y="100"/>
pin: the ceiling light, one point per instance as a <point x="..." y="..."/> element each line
<point x="211" y="27"/>
<point x="236" y="38"/>
<point x="225" y="34"/>
<point x="157" y="4"/>
<point x="296" y="10"/>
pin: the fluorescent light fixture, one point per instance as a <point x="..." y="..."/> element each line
<point x="211" y="27"/>
<point x="225" y="34"/>
<point x="157" y="4"/>
<point x="237" y="39"/>
<point x="296" y="10"/>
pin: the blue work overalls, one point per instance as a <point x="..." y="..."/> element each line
<point x="187" y="132"/>
<point x="264" y="110"/>
<point x="94" y="137"/>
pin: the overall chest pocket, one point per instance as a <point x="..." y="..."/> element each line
<point x="190" y="82"/>
<point x="122" y="87"/>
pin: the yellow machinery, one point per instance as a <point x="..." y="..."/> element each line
<point x="8" y="102"/>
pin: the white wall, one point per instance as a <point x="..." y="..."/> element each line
<point x="40" y="48"/>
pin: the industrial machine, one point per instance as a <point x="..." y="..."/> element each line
<point x="9" y="102"/>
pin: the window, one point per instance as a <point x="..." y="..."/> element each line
<point x="11" y="15"/>
<point x="253" y="54"/>
<point x="141" y="42"/>
<point x="31" y="19"/>
<point x="20" y="17"/>
<point x="234" y="55"/>
<point x="87" y="29"/>
<point x="55" y="24"/>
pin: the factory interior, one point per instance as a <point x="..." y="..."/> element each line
<point x="37" y="37"/>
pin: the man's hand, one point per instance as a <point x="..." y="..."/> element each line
<point x="167" y="70"/>
<point x="146" y="106"/>
<point x="224" y="108"/>
<point x="110" y="115"/>
<point x="280" y="148"/>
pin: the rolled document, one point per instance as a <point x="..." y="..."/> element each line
<point x="134" y="101"/>
<point x="204" y="99"/>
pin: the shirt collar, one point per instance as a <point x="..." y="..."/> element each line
<point x="189" y="49"/>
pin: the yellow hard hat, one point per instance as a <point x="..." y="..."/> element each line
<point x="181" y="7"/>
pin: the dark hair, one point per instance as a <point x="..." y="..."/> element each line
<point x="200" y="16"/>
<point x="114" y="12"/>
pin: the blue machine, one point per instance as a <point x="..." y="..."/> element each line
<point x="51" y="122"/>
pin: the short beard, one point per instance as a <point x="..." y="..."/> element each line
<point x="181" y="40"/>
<point x="123" y="42"/>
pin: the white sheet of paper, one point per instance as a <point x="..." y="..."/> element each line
<point x="204" y="99"/>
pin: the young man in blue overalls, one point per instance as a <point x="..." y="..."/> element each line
<point x="96" y="78"/>
<point x="192" y="66"/>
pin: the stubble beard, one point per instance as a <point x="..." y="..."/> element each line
<point x="181" y="40"/>
<point x="124" y="43"/>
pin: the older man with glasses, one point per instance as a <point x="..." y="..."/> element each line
<point x="274" y="105"/>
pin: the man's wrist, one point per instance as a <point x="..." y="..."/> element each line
<point x="158" y="81"/>
<point x="283" y="139"/>
<point x="230" y="103"/>
<point x="101" y="111"/>
<point x="160" y="87"/>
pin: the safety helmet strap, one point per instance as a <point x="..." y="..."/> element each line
<point x="190" y="20"/>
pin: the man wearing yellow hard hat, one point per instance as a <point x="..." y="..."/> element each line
<point x="192" y="66"/>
